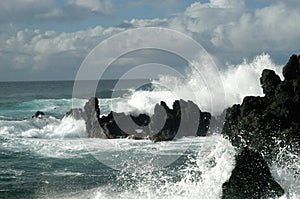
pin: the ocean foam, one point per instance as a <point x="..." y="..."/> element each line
<point x="48" y="127"/>
<point x="286" y="171"/>
<point x="201" y="177"/>
<point x="238" y="81"/>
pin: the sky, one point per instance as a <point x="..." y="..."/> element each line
<point x="49" y="39"/>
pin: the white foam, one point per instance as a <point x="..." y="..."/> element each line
<point x="285" y="169"/>
<point x="48" y="127"/>
<point x="201" y="178"/>
<point x="243" y="79"/>
<point x="67" y="128"/>
<point x="238" y="81"/>
<point x="5" y="117"/>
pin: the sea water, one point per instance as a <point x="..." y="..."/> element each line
<point x="53" y="158"/>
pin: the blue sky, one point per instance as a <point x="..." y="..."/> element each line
<point x="48" y="39"/>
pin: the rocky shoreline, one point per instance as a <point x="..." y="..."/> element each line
<point x="258" y="128"/>
<point x="268" y="123"/>
<point x="164" y="125"/>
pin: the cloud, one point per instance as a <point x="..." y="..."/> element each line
<point x="231" y="31"/>
<point x="233" y="4"/>
<point x="78" y="10"/>
<point x="228" y="29"/>
<point x="202" y="18"/>
<point x="269" y="28"/>
<point x="49" y="53"/>
<point x="158" y="3"/>
<point x="139" y="23"/>
<point x="20" y="11"/>
<point x="94" y="5"/>
<point x="31" y="11"/>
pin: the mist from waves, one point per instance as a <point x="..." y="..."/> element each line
<point x="199" y="172"/>
<point x="238" y="81"/>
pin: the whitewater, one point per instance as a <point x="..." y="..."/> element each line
<point x="53" y="158"/>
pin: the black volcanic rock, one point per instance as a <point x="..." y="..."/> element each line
<point x="114" y="125"/>
<point x="141" y="119"/>
<point x="76" y="113"/>
<point x="92" y="113"/>
<point x="269" y="81"/>
<point x="261" y="123"/>
<point x="164" y="123"/>
<point x="251" y="179"/>
<point x="185" y="119"/>
<point x="38" y="114"/>
<point x="291" y="70"/>
<point x="110" y="124"/>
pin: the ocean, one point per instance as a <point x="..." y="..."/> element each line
<point x="53" y="158"/>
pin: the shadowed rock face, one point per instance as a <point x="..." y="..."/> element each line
<point x="185" y="119"/>
<point x="269" y="82"/>
<point x="164" y="125"/>
<point x="251" y="179"/>
<point x="92" y="113"/>
<point x="263" y="122"/>
<point x="110" y="124"/>
<point x="291" y="71"/>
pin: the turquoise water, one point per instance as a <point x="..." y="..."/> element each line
<point x="19" y="100"/>
<point x="52" y="158"/>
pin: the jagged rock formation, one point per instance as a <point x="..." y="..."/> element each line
<point x="115" y="125"/>
<point x="185" y="119"/>
<point x="92" y="124"/>
<point x="266" y="123"/>
<point x="164" y="125"/>
<point x="251" y="178"/>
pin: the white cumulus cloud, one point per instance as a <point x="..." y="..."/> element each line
<point x="228" y="29"/>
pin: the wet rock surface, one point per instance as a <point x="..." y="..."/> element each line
<point x="251" y="178"/>
<point x="264" y="125"/>
<point x="270" y="122"/>
<point x="184" y="119"/>
<point x="92" y="113"/>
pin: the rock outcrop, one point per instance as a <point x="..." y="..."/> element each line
<point x="92" y="124"/>
<point x="115" y="125"/>
<point x="267" y="123"/>
<point x="185" y="119"/>
<point x="38" y="114"/>
<point x="251" y="178"/>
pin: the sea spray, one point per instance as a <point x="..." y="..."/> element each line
<point x="286" y="170"/>
<point x="238" y="81"/>
<point x="46" y="127"/>
<point x="199" y="173"/>
<point x="55" y="156"/>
